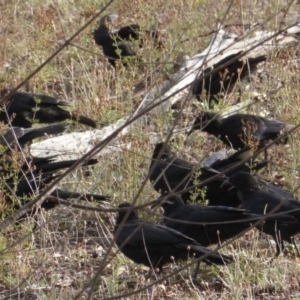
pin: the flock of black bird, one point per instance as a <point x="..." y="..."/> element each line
<point x="229" y="211"/>
<point x="24" y="177"/>
<point x="237" y="200"/>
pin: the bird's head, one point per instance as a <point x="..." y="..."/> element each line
<point x="242" y="181"/>
<point x="204" y="120"/>
<point x="125" y="206"/>
<point x="161" y="149"/>
<point x="168" y="200"/>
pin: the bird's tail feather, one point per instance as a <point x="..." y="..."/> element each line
<point x="282" y="219"/>
<point x="55" y="166"/>
<point x="86" y="121"/>
<point x="213" y="257"/>
<point x="73" y="195"/>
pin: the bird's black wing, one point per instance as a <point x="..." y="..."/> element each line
<point x="33" y="133"/>
<point x="21" y="99"/>
<point x="82" y="196"/>
<point x="151" y="234"/>
<point x="129" y="32"/>
<point x="174" y="171"/>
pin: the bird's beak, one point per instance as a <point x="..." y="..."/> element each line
<point x="213" y="171"/>
<point x="190" y="131"/>
<point x="162" y="199"/>
<point x="157" y="203"/>
<point x="113" y="17"/>
<point x="226" y="182"/>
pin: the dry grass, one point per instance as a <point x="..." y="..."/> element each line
<point x="64" y="254"/>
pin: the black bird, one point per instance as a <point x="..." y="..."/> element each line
<point x="26" y="187"/>
<point x="17" y="194"/>
<point x="240" y="130"/>
<point x="170" y="173"/>
<point x="27" y="135"/>
<point x="116" y="43"/>
<point x="232" y="221"/>
<point x="219" y="162"/>
<point x="47" y="164"/>
<point x="262" y="202"/>
<point x="113" y="47"/>
<point x="223" y="195"/>
<point x="33" y="166"/>
<point x="20" y="187"/>
<point x="22" y="109"/>
<point x="155" y="245"/>
<point x="226" y="79"/>
<point x="32" y="178"/>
